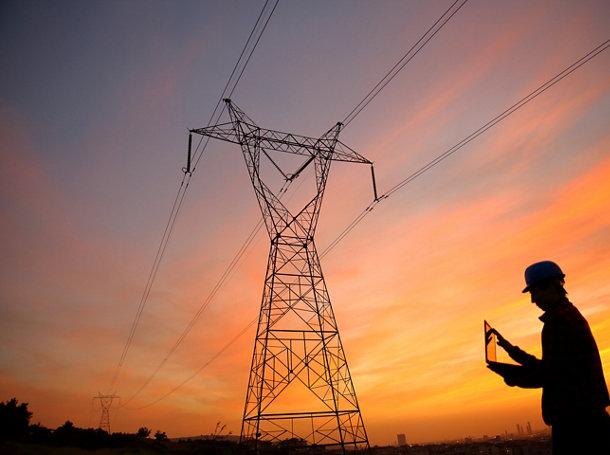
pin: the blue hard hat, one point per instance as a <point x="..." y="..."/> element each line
<point x="541" y="271"/>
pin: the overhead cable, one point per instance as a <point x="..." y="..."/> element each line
<point x="202" y="367"/>
<point x="206" y="302"/>
<point x="412" y="52"/>
<point x="152" y="275"/>
<point x="239" y="69"/>
<point x="225" y="275"/>
<point x="472" y="136"/>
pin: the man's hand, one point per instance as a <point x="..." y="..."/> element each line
<point x="510" y="377"/>
<point x="503" y="342"/>
<point x="509" y="380"/>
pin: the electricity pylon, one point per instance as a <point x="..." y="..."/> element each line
<point x="105" y="403"/>
<point x="300" y="386"/>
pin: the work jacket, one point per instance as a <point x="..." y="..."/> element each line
<point x="570" y="372"/>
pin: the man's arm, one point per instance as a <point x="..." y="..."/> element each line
<point x="526" y="377"/>
<point x="516" y="353"/>
<point x="528" y="374"/>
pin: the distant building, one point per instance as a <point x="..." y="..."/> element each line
<point x="529" y="428"/>
<point x="402" y="439"/>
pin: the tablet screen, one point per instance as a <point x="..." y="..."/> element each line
<point x="490" y="343"/>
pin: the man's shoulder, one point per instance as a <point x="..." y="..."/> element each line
<point x="563" y="309"/>
<point x="569" y="311"/>
<point x="566" y="318"/>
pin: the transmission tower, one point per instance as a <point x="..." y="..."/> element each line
<point x="300" y="387"/>
<point x="105" y="403"/>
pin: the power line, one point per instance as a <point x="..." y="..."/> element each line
<point x="231" y="84"/>
<point x="227" y="272"/>
<point x="472" y="136"/>
<point x="411" y="53"/>
<point x="224" y="276"/>
<point x="251" y="43"/>
<point x="544" y="87"/>
<point x="152" y="275"/>
<point x="202" y="367"/>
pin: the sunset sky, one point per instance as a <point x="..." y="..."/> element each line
<point x="96" y="99"/>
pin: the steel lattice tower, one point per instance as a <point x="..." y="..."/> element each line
<point x="105" y="403"/>
<point x="298" y="355"/>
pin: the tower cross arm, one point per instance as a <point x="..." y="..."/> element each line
<point x="269" y="140"/>
<point x="344" y="153"/>
<point x="222" y="131"/>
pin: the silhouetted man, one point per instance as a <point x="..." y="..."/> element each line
<point x="574" y="392"/>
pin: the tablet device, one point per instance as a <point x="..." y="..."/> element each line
<point x="490" y="343"/>
<point x="490" y="354"/>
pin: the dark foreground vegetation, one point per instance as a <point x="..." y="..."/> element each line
<point x="19" y="437"/>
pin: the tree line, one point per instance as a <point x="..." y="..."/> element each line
<point x="15" y="425"/>
<point x="16" y="429"/>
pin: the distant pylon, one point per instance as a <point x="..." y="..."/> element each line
<point x="105" y="403"/>
<point x="300" y="387"/>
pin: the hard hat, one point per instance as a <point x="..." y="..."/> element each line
<point x="541" y="271"/>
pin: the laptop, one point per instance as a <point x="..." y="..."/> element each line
<point x="490" y="354"/>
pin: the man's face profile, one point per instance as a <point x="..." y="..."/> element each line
<point x="544" y="295"/>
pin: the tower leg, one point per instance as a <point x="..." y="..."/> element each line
<point x="300" y="387"/>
